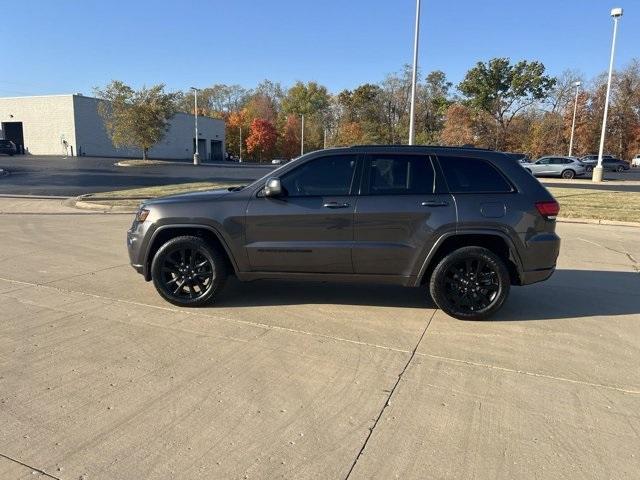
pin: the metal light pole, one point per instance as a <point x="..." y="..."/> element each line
<point x="414" y="75"/>
<point x="302" y="136"/>
<point x="575" y="109"/>
<point x="240" y="161"/>
<point x="616" y="13"/>
<point x="196" y="156"/>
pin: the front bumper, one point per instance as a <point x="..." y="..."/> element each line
<point x="135" y="236"/>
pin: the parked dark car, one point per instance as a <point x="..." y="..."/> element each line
<point x="464" y="223"/>
<point x="7" y="147"/>
<point x="609" y="163"/>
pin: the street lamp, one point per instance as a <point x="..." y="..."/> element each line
<point x="616" y="13"/>
<point x="575" y="109"/>
<point x="196" y="155"/>
<point x="414" y="74"/>
<point x="302" y="136"/>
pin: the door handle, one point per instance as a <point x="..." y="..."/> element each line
<point x="434" y="203"/>
<point x="335" y="205"/>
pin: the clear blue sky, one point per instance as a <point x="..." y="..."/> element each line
<point x="71" y="46"/>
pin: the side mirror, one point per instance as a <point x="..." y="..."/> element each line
<point x="272" y="188"/>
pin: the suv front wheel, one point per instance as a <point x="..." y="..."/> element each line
<point x="470" y="283"/>
<point x="187" y="272"/>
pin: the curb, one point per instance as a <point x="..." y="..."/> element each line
<point x="595" y="221"/>
<point x="82" y="203"/>
<point x="151" y="164"/>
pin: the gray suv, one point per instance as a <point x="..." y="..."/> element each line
<point x="565" y="167"/>
<point x="465" y="223"/>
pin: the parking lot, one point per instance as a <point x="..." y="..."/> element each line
<point x="102" y="379"/>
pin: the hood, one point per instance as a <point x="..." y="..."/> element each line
<point x="189" y="197"/>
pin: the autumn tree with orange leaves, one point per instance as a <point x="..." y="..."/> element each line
<point x="262" y="138"/>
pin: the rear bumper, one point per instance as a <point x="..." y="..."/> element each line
<point x="535" y="276"/>
<point x="540" y="256"/>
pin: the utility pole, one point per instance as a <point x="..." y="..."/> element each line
<point x="414" y="75"/>
<point x="573" y="124"/>
<point x="302" y="136"/>
<point x="240" y="144"/>
<point x="196" y="155"/>
<point x="616" y="13"/>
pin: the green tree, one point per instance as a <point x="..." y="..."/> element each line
<point x="363" y="106"/>
<point x="306" y="99"/>
<point x="431" y="106"/>
<point x="502" y="90"/>
<point x="136" y="118"/>
<point x="311" y="100"/>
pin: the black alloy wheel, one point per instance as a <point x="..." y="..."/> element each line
<point x="470" y="283"/>
<point x="186" y="271"/>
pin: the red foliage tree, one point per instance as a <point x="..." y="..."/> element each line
<point x="262" y="137"/>
<point x="290" y="145"/>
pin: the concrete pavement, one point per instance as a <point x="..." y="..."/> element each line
<point x="101" y="379"/>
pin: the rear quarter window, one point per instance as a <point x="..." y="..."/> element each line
<point x="473" y="175"/>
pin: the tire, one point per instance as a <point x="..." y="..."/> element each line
<point x="619" y="168"/>
<point x="568" y="174"/>
<point x="470" y="268"/>
<point x="589" y="168"/>
<point x="188" y="272"/>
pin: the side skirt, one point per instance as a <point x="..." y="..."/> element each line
<point x="328" y="277"/>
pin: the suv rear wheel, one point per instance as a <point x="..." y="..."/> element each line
<point x="470" y="283"/>
<point x="568" y="173"/>
<point x="187" y="272"/>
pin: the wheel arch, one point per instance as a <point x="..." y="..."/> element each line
<point x="495" y="241"/>
<point x="167" y="232"/>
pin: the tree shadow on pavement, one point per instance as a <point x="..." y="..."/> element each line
<point x="567" y="294"/>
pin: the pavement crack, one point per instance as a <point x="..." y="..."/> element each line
<point x="532" y="374"/>
<point x="634" y="263"/>
<point x="389" y="396"/>
<point x="11" y="459"/>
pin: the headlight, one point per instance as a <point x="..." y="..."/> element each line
<point x="142" y="215"/>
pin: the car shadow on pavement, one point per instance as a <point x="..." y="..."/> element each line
<point x="575" y="294"/>
<point x="283" y="292"/>
<point x="567" y="294"/>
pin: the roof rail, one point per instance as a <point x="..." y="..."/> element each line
<point x="452" y="147"/>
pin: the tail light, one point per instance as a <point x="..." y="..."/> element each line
<point x="548" y="209"/>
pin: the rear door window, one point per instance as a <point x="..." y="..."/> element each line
<point x="473" y="175"/>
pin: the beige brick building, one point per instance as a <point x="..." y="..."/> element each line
<point x="71" y="125"/>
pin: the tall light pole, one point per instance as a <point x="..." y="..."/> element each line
<point x="196" y="155"/>
<point x="414" y="75"/>
<point x="575" y="109"/>
<point x="616" y="13"/>
<point x="302" y="136"/>
<point x="240" y="160"/>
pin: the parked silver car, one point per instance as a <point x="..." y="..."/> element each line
<point x="565" y="167"/>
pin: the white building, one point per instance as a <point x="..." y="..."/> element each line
<point x="71" y="125"/>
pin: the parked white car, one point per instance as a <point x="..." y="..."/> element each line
<point x="635" y="161"/>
